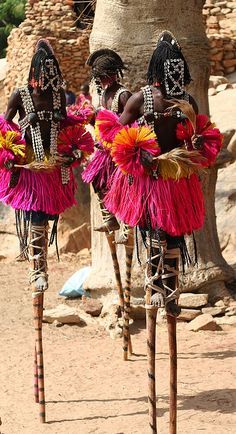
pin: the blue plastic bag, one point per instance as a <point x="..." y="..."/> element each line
<point x="74" y="285"/>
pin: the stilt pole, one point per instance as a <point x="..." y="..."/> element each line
<point x="171" y="321"/>
<point x="151" y="314"/>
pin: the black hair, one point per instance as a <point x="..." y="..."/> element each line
<point x="167" y="49"/>
<point x="106" y="62"/>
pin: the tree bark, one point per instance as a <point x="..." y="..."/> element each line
<point x="131" y="28"/>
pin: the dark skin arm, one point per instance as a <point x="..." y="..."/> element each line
<point x="132" y="108"/>
<point x="123" y="99"/>
<point x="13" y="106"/>
<point x="63" y="103"/>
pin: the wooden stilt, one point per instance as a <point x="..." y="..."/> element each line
<point x="36" y="386"/>
<point x="111" y="241"/>
<point x="38" y="257"/>
<point x="38" y="314"/>
<point x="127" y="345"/>
<point x="171" y="321"/>
<point x="151" y="314"/>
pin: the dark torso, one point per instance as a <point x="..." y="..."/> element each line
<point x="110" y="93"/>
<point x="42" y="101"/>
<point x="164" y="126"/>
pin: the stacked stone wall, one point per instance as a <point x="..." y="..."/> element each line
<point x="56" y="21"/>
<point x="220" y="18"/>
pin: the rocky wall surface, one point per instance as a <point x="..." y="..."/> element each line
<point x="56" y="21"/>
<point x="220" y="18"/>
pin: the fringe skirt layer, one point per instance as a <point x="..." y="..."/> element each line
<point x="38" y="191"/>
<point x="99" y="170"/>
<point x="177" y="207"/>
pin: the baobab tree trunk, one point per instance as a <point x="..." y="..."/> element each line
<point x="131" y="28"/>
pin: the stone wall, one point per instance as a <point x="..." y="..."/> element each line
<point x="220" y="17"/>
<point x="55" y="20"/>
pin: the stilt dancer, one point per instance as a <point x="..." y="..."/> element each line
<point x="36" y="178"/>
<point x="107" y="69"/>
<point x="157" y="188"/>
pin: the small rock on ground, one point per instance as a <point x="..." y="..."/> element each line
<point x="91" y="306"/>
<point x="188" y="314"/>
<point x="63" y="314"/>
<point x="203" y="322"/>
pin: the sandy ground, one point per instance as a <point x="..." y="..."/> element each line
<point x="89" y="389"/>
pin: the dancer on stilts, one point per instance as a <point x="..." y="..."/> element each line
<point x="157" y="188"/>
<point x="36" y="178"/>
<point x="107" y="69"/>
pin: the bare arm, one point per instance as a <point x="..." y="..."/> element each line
<point x="124" y="98"/>
<point x="63" y="103"/>
<point x="13" y="106"/>
<point x="132" y="109"/>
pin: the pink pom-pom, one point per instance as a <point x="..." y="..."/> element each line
<point x="212" y="138"/>
<point x="108" y="125"/>
<point x="75" y="137"/>
<point x="83" y="114"/>
<point x="7" y="126"/>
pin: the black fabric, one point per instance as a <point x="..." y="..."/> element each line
<point x="37" y="217"/>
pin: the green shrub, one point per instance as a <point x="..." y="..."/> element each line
<point x="12" y="13"/>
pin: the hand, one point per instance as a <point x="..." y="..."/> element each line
<point x="146" y="159"/>
<point x="197" y="142"/>
<point x="9" y="164"/>
<point x="64" y="160"/>
<point x="77" y="154"/>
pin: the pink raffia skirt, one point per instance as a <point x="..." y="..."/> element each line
<point x="177" y="207"/>
<point x="99" y="170"/>
<point x="38" y="191"/>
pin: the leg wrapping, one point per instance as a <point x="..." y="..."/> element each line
<point x="161" y="278"/>
<point x="110" y="223"/>
<point x="38" y="247"/>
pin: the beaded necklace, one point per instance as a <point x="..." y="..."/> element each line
<point x="50" y="116"/>
<point x="115" y="101"/>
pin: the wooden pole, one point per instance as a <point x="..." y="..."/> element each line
<point x="171" y="322"/>
<point x="127" y="344"/>
<point x="111" y="241"/>
<point x="38" y="257"/>
<point x="36" y="386"/>
<point x="151" y="314"/>
<point x="38" y="315"/>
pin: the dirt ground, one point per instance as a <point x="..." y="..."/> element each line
<point x="89" y="389"/>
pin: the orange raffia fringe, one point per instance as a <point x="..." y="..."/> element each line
<point x="127" y="147"/>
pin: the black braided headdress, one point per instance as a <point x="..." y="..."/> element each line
<point x="44" y="69"/>
<point x="106" y="62"/>
<point x="168" y="65"/>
